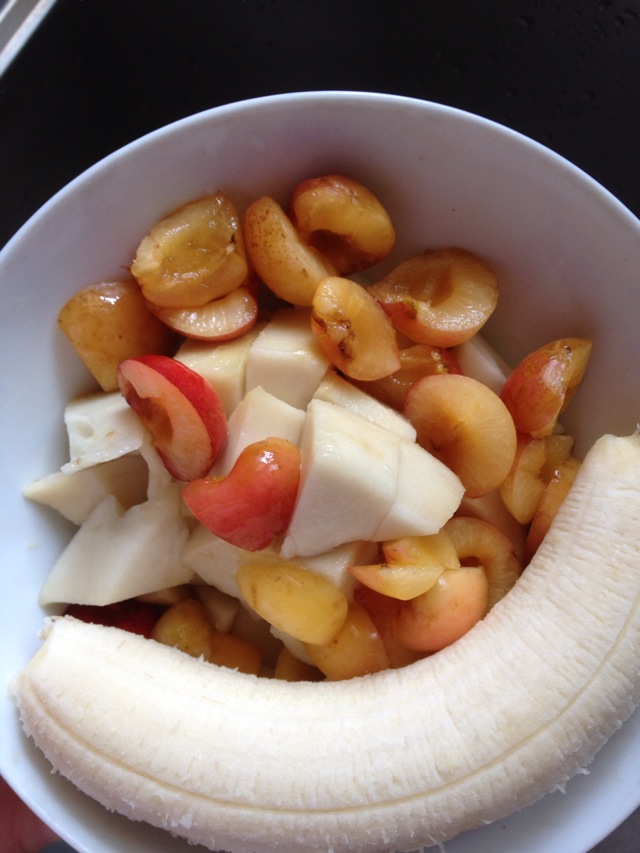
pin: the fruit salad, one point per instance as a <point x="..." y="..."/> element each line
<point x="294" y="466"/>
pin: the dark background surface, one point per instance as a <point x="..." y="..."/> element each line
<point x="99" y="73"/>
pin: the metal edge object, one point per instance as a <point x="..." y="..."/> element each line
<point x="18" y="21"/>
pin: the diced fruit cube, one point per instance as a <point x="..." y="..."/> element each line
<point x="348" y="480"/>
<point x="296" y="647"/>
<point x="349" y="485"/>
<point x="334" y="564"/>
<point x="216" y="561"/>
<point x="223" y="365"/>
<point x="75" y="495"/>
<point x="479" y="360"/>
<point x="116" y="555"/>
<point x="286" y="359"/>
<point x="259" y="416"/>
<point x="427" y="493"/>
<point x="100" y="427"/>
<point x="168" y="596"/>
<point x="221" y="608"/>
<point x="335" y="389"/>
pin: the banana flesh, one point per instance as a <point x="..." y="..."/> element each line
<point x="398" y="759"/>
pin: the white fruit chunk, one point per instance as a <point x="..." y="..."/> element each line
<point x="118" y="554"/>
<point x="350" y="488"/>
<point x="100" y="427"/>
<point x="286" y="360"/>
<point x="335" y="389"/>
<point x="334" y="564"/>
<point x="296" y="647"/>
<point x="217" y="562"/>
<point x="223" y="365"/>
<point x="348" y="478"/>
<point x="260" y="415"/>
<point x="427" y="495"/>
<point x="77" y="494"/>
<point x="478" y="359"/>
<point x="221" y="608"/>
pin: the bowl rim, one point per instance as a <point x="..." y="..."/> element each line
<point x="294" y="99"/>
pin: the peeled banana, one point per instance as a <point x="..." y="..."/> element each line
<point x="394" y="760"/>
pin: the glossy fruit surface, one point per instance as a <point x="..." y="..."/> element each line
<point x="356" y="649"/>
<point x="254" y="502"/>
<point x="415" y="362"/>
<point x="110" y="321"/>
<point x="442" y="297"/>
<point x="552" y="498"/>
<point x="299" y="602"/>
<point x="221" y="319"/>
<point x="352" y="330"/>
<point x="539" y="389"/>
<point x="287" y="265"/>
<point x="180" y="409"/>
<point x="466" y="426"/>
<point x="439" y="617"/>
<point x="344" y="221"/>
<point x="412" y="565"/>
<point x="193" y="255"/>
<point x="479" y="543"/>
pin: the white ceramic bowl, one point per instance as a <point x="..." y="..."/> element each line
<point x="567" y="255"/>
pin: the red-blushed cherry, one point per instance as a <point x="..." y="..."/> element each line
<point x="541" y="386"/>
<point x="442" y="297"/>
<point x="255" y="501"/>
<point x="180" y="409"/>
<point x="137" y="617"/>
<point x="221" y="319"/>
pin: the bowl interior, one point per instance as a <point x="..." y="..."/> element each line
<point x="566" y="254"/>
